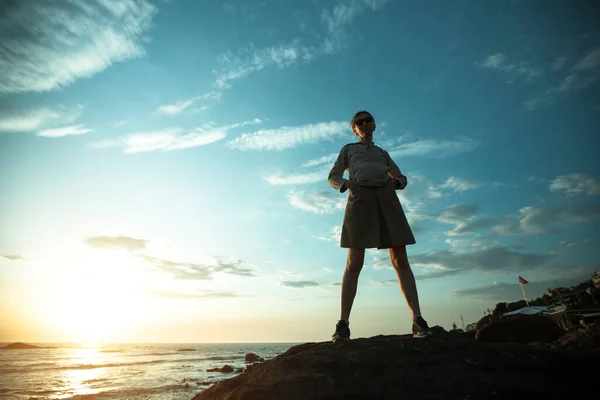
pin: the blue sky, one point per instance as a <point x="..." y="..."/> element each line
<point x="165" y="163"/>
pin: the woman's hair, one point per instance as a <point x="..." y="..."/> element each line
<point x="353" y="120"/>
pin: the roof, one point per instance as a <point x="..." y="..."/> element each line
<point x="531" y="310"/>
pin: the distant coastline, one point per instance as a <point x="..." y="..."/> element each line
<point x="24" y="346"/>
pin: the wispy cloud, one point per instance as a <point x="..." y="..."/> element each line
<point x="287" y="137"/>
<point x="541" y="222"/>
<point x="581" y="76"/>
<point x="503" y="291"/>
<point x="574" y="184"/>
<point x="116" y="242"/>
<point x="249" y="60"/>
<point x="299" y="284"/>
<point x="31" y="120"/>
<point x="317" y="202"/>
<point x="499" y="62"/>
<point x="198" y="271"/>
<point x="297" y="179"/>
<point x="205" y="294"/>
<point x="567" y="244"/>
<point x="180" y="270"/>
<point x="328" y="159"/>
<point x="434" y="148"/>
<point x="333" y="235"/>
<point x="497" y="259"/>
<point x="64" y="131"/>
<point x="171" y="138"/>
<point x="181" y="105"/>
<point x="175" y="108"/>
<point x="47" y="45"/>
<point x="459" y="184"/>
<point x="14" y="257"/>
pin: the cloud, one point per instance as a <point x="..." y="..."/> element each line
<point x="457" y="213"/>
<point x="536" y="221"/>
<point x="297" y="179"/>
<point x="116" y="242"/>
<point x="198" y="271"/>
<point x="574" y="184"/>
<point x="64" y="131"/>
<point x="581" y="76"/>
<point x="176" y="108"/>
<point x="250" y="60"/>
<point x="589" y="62"/>
<point x="498" y="62"/>
<point x="459" y="184"/>
<point x="558" y="63"/>
<point x="320" y="202"/>
<point x="48" y="45"/>
<point x="299" y="284"/>
<point x="333" y="235"/>
<point x="287" y="137"/>
<point x="512" y="291"/>
<point x="233" y="268"/>
<point x="182" y="295"/>
<point x="180" y="270"/>
<point x="170" y="138"/>
<point x="328" y="159"/>
<point x="35" y="119"/>
<point x="179" y="106"/>
<point x="492" y="259"/>
<point x="14" y="257"/>
<point x="567" y="244"/>
<point x="438" y="274"/>
<point x="434" y="148"/>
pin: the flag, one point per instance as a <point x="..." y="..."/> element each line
<point x="521" y="280"/>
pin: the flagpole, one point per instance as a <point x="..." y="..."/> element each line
<point x="524" y="295"/>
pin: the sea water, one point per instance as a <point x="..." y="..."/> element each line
<point x="121" y="371"/>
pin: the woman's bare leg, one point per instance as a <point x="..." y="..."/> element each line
<point x="406" y="278"/>
<point x="354" y="264"/>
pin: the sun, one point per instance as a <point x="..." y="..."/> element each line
<point x="96" y="297"/>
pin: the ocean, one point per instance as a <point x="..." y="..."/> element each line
<point x="121" y="371"/>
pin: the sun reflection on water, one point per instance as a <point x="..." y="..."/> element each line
<point x="81" y="379"/>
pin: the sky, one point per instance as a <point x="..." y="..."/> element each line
<point x="164" y="163"/>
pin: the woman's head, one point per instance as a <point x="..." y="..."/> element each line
<point x="363" y="124"/>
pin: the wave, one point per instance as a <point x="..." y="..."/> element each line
<point x="124" y="393"/>
<point x="53" y="366"/>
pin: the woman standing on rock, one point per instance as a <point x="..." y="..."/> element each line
<point x="374" y="218"/>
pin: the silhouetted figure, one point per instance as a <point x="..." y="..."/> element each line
<point x="374" y="218"/>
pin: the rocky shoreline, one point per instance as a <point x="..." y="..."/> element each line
<point x="447" y="366"/>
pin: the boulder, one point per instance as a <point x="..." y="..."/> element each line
<point x="520" y="329"/>
<point x="226" y="368"/>
<point x="450" y="366"/>
<point x="251" y="357"/>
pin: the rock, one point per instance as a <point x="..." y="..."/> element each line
<point x="586" y="338"/>
<point x="239" y="370"/>
<point x="399" y="367"/>
<point x="251" y="357"/>
<point x="226" y="368"/>
<point x="520" y="329"/>
<point x="23" y="346"/>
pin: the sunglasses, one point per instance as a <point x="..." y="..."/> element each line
<point x="363" y="121"/>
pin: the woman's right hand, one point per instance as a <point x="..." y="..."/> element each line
<point x="350" y="184"/>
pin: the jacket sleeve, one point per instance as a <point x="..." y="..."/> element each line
<point x="395" y="172"/>
<point x="336" y="175"/>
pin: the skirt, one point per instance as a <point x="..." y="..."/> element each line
<point x="374" y="218"/>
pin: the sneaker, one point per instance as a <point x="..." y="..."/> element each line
<point x="420" y="328"/>
<point x="342" y="331"/>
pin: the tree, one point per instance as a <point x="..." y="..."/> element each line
<point x="500" y="309"/>
<point x="454" y="325"/>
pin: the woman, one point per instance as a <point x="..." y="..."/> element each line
<point x="374" y="218"/>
